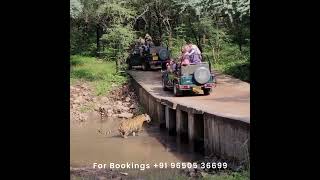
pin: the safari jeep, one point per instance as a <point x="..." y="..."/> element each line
<point x="153" y="58"/>
<point x="189" y="78"/>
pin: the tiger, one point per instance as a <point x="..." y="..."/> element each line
<point x="133" y="125"/>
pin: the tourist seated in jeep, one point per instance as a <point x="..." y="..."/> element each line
<point x="184" y="57"/>
<point x="194" y="53"/>
<point x="171" y="66"/>
<point x="148" y="42"/>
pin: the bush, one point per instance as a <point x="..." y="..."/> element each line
<point x="117" y="41"/>
<point x="231" y="61"/>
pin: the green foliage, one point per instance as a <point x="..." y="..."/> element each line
<point x="231" y="8"/>
<point x="231" y="61"/>
<point x="118" y="39"/>
<point x="117" y="13"/>
<point x="221" y="29"/>
<point x="101" y="74"/>
<point x="244" y="175"/>
<point x="82" y="40"/>
<point x="75" y="8"/>
<point x="92" y="18"/>
<point x="224" y="41"/>
<point x="177" y="43"/>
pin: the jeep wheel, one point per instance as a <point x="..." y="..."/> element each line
<point x="176" y="91"/>
<point x="164" y="87"/>
<point x="206" y="91"/>
<point x="145" y="66"/>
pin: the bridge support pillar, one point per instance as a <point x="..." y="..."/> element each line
<point x="170" y="115"/>
<point x="167" y="116"/>
<point x="161" y="115"/>
<point x="178" y="121"/>
<point x="191" y="133"/>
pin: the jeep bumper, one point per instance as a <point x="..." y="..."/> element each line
<point x="190" y="87"/>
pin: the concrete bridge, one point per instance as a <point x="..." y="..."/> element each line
<point x="218" y="124"/>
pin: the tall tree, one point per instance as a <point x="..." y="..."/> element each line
<point x="100" y="15"/>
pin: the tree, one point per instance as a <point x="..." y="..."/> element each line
<point x="236" y="14"/>
<point x="75" y="8"/>
<point x="99" y="15"/>
<point x="118" y="38"/>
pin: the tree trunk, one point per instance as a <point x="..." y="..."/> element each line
<point x="195" y="35"/>
<point x="170" y="40"/>
<point x="99" y="34"/>
<point x="214" y="56"/>
<point x="149" y="23"/>
<point x="159" y="24"/>
<point x="199" y="43"/>
<point x="84" y="36"/>
<point x="160" y="32"/>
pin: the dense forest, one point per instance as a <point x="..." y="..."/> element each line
<point x="220" y="28"/>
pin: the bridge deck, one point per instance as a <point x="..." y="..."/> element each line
<point x="230" y="99"/>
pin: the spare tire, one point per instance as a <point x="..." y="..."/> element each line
<point x="202" y="75"/>
<point x="163" y="53"/>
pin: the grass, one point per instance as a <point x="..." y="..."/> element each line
<point x="100" y="74"/>
<point x="244" y="175"/>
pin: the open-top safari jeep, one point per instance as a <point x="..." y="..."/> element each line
<point x="151" y="58"/>
<point x="189" y="78"/>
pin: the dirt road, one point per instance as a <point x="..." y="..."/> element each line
<point x="231" y="97"/>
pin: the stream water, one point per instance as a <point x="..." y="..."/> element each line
<point x="90" y="143"/>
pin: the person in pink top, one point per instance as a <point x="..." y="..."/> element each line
<point x="185" y="58"/>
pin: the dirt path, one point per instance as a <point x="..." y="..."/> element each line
<point x="231" y="97"/>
